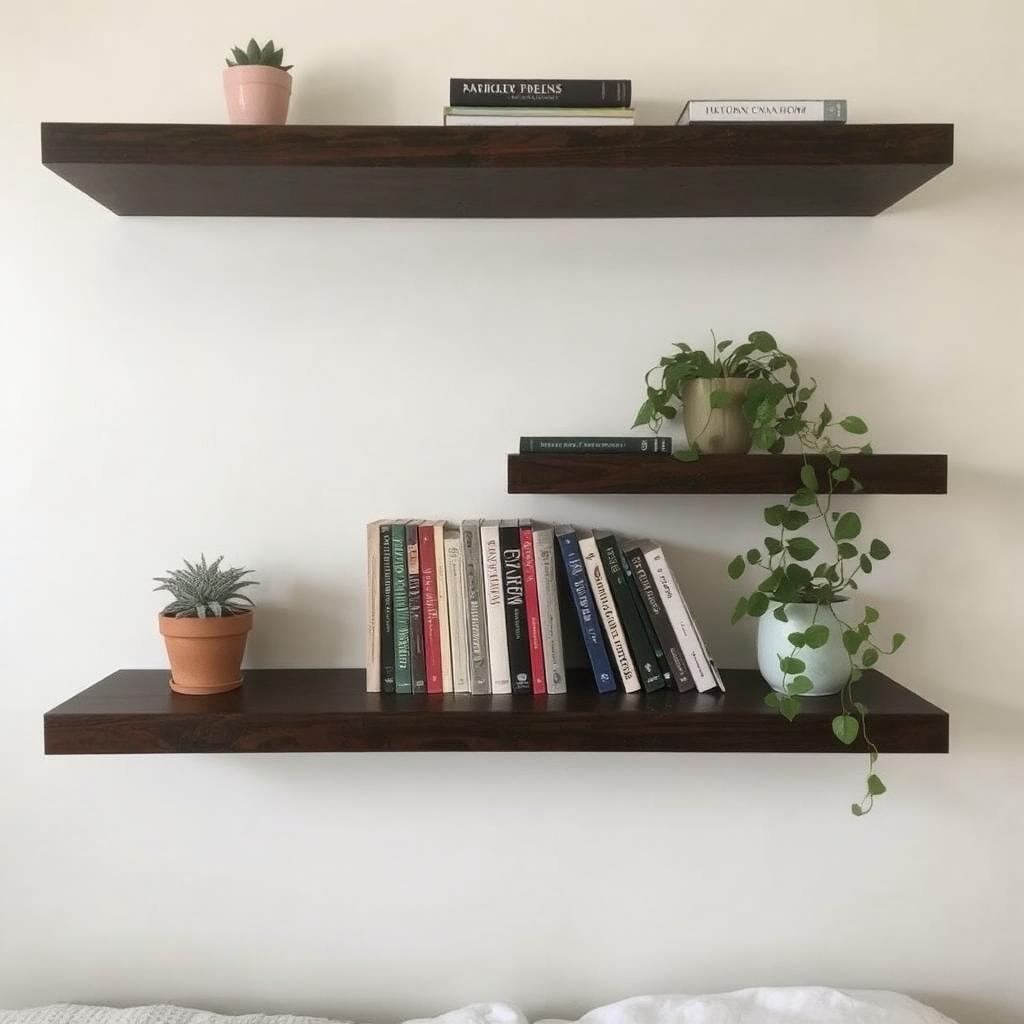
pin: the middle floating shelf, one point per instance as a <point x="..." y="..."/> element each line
<point x="715" y="474"/>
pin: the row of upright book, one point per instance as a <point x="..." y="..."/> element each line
<point x="500" y="606"/>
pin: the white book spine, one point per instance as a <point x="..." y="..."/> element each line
<point x="455" y="580"/>
<point x="764" y="110"/>
<point x="373" y="607"/>
<point x="683" y="625"/>
<point x="490" y="121"/>
<point x="447" y="680"/>
<point x="476" y="611"/>
<point x="497" y="643"/>
<point x="547" y="600"/>
<point x="609" y="614"/>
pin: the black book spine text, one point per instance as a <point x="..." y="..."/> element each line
<point x="513" y="594"/>
<point x="387" y="617"/>
<point x="540" y="92"/>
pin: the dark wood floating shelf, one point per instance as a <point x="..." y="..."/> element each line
<point x="134" y="712"/>
<point x="714" y="474"/>
<point x="785" y="170"/>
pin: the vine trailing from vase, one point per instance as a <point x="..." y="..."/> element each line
<point x="777" y="405"/>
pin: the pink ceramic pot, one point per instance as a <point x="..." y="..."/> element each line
<point x="257" y="94"/>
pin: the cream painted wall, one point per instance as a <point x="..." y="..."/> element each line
<point x="171" y="386"/>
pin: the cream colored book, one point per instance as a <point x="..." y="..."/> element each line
<point x="447" y="680"/>
<point x="373" y="606"/>
<point x="497" y="643"/>
<point x="455" y="580"/>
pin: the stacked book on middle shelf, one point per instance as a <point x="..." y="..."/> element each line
<point x="539" y="102"/>
<point x="498" y="606"/>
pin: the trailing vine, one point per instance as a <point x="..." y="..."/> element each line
<point x="777" y="405"/>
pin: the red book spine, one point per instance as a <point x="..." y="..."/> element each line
<point x="431" y="620"/>
<point x="532" y="610"/>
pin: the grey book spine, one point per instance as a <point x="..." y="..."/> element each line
<point x="480" y="674"/>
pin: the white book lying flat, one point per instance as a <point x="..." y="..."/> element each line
<point x="608" y="613"/>
<point x="768" y="111"/>
<point x="697" y="661"/>
<point x="528" y="117"/>
<point x="497" y="643"/>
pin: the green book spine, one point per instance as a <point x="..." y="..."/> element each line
<point x="643" y="654"/>
<point x="403" y="648"/>
<point x="641" y="608"/>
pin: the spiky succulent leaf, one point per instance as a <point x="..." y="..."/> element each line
<point x="267" y="56"/>
<point x="252" y="51"/>
<point x="204" y="589"/>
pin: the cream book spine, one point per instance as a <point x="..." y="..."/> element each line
<point x="547" y="599"/>
<point x="373" y="606"/>
<point x="455" y="581"/>
<point x="447" y="680"/>
<point x="497" y="643"/>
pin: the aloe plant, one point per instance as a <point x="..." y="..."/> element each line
<point x="267" y="56"/>
<point x="203" y="590"/>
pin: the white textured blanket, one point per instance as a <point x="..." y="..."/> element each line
<point x="750" y="1006"/>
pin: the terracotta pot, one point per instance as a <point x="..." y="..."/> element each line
<point x="257" y="94"/>
<point x="206" y="654"/>
<point x="724" y="431"/>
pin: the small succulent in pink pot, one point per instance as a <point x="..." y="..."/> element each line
<point x="256" y="85"/>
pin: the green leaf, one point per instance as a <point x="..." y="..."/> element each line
<point x="791" y="666"/>
<point x="879" y="549"/>
<point x="740" y="610"/>
<point x="773" y="514"/>
<point x="875" y="785"/>
<point x="723" y="345"/>
<point x="797" y="639"/>
<point x="736" y="567"/>
<point x="753" y="556"/>
<point x="789" y="706"/>
<point x="803" y="497"/>
<point x="794" y="519"/>
<point x="772" y="545"/>
<point x="771" y="699"/>
<point x="687" y="455"/>
<point x="846" y="550"/>
<point x="798" y="575"/>
<point x="870" y="614"/>
<point x="780" y="613"/>
<point x="719" y="399"/>
<point x="267" y="54"/>
<point x="869" y="657"/>
<point x="846" y="728"/>
<point x="240" y="55"/>
<point x="867" y="450"/>
<point x="816" y="635"/>
<point x="801" y="684"/>
<point x="762" y="341"/>
<point x="840" y="473"/>
<point x="857" y="809"/>
<point x="757" y="604"/>
<point x="898" y="639"/>
<point x="853" y="425"/>
<point x="852" y="641"/>
<point x="847" y="526"/>
<point x="809" y="478"/>
<point x="252" y="51"/>
<point x="644" y="414"/>
<point x="865" y="563"/>
<point x="802" y="548"/>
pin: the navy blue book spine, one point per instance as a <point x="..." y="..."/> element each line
<point x="586" y="612"/>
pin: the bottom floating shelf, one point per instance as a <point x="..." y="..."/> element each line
<point x="290" y="710"/>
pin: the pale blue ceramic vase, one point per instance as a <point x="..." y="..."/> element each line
<point x="828" y="666"/>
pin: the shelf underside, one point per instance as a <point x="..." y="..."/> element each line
<point x="134" y="712"/>
<point x="715" y="474"/>
<point x="394" y="171"/>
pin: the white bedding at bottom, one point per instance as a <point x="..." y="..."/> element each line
<point x="749" y="1006"/>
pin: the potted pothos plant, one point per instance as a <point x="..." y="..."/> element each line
<point x="257" y="86"/>
<point x="206" y="625"/>
<point x="814" y="556"/>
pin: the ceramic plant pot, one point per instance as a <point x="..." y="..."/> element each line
<point x="828" y="666"/>
<point x="206" y="654"/>
<point x="257" y="94"/>
<point x="724" y="431"/>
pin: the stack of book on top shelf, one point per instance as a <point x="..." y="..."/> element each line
<point x="492" y="606"/>
<point x="489" y="102"/>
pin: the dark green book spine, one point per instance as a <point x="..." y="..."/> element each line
<point x="400" y="572"/>
<point x="641" y="608"/>
<point x="417" y="653"/>
<point x="387" y="613"/>
<point x="647" y="666"/>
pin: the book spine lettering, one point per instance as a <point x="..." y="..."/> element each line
<point x="517" y="636"/>
<point x="550" y="616"/>
<point x="768" y="111"/>
<point x="533" y="630"/>
<point x="403" y="651"/>
<point x="476" y="612"/>
<point x="595" y="445"/>
<point x="609" y="615"/>
<point x="587" y="614"/>
<point x="416" y="637"/>
<point x="387" y="613"/>
<point x="540" y="92"/>
<point x="501" y="678"/>
<point x="644" y="660"/>
<point x="431" y="627"/>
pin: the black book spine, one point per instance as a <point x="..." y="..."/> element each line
<point x="540" y="92"/>
<point x="643" y="654"/>
<point x="641" y="609"/>
<point x="655" y="445"/>
<point x="418" y="657"/>
<point x="513" y="594"/>
<point x="659" y="619"/>
<point x="387" y="616"/>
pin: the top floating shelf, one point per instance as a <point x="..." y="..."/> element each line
<point x="764" y="170"/>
